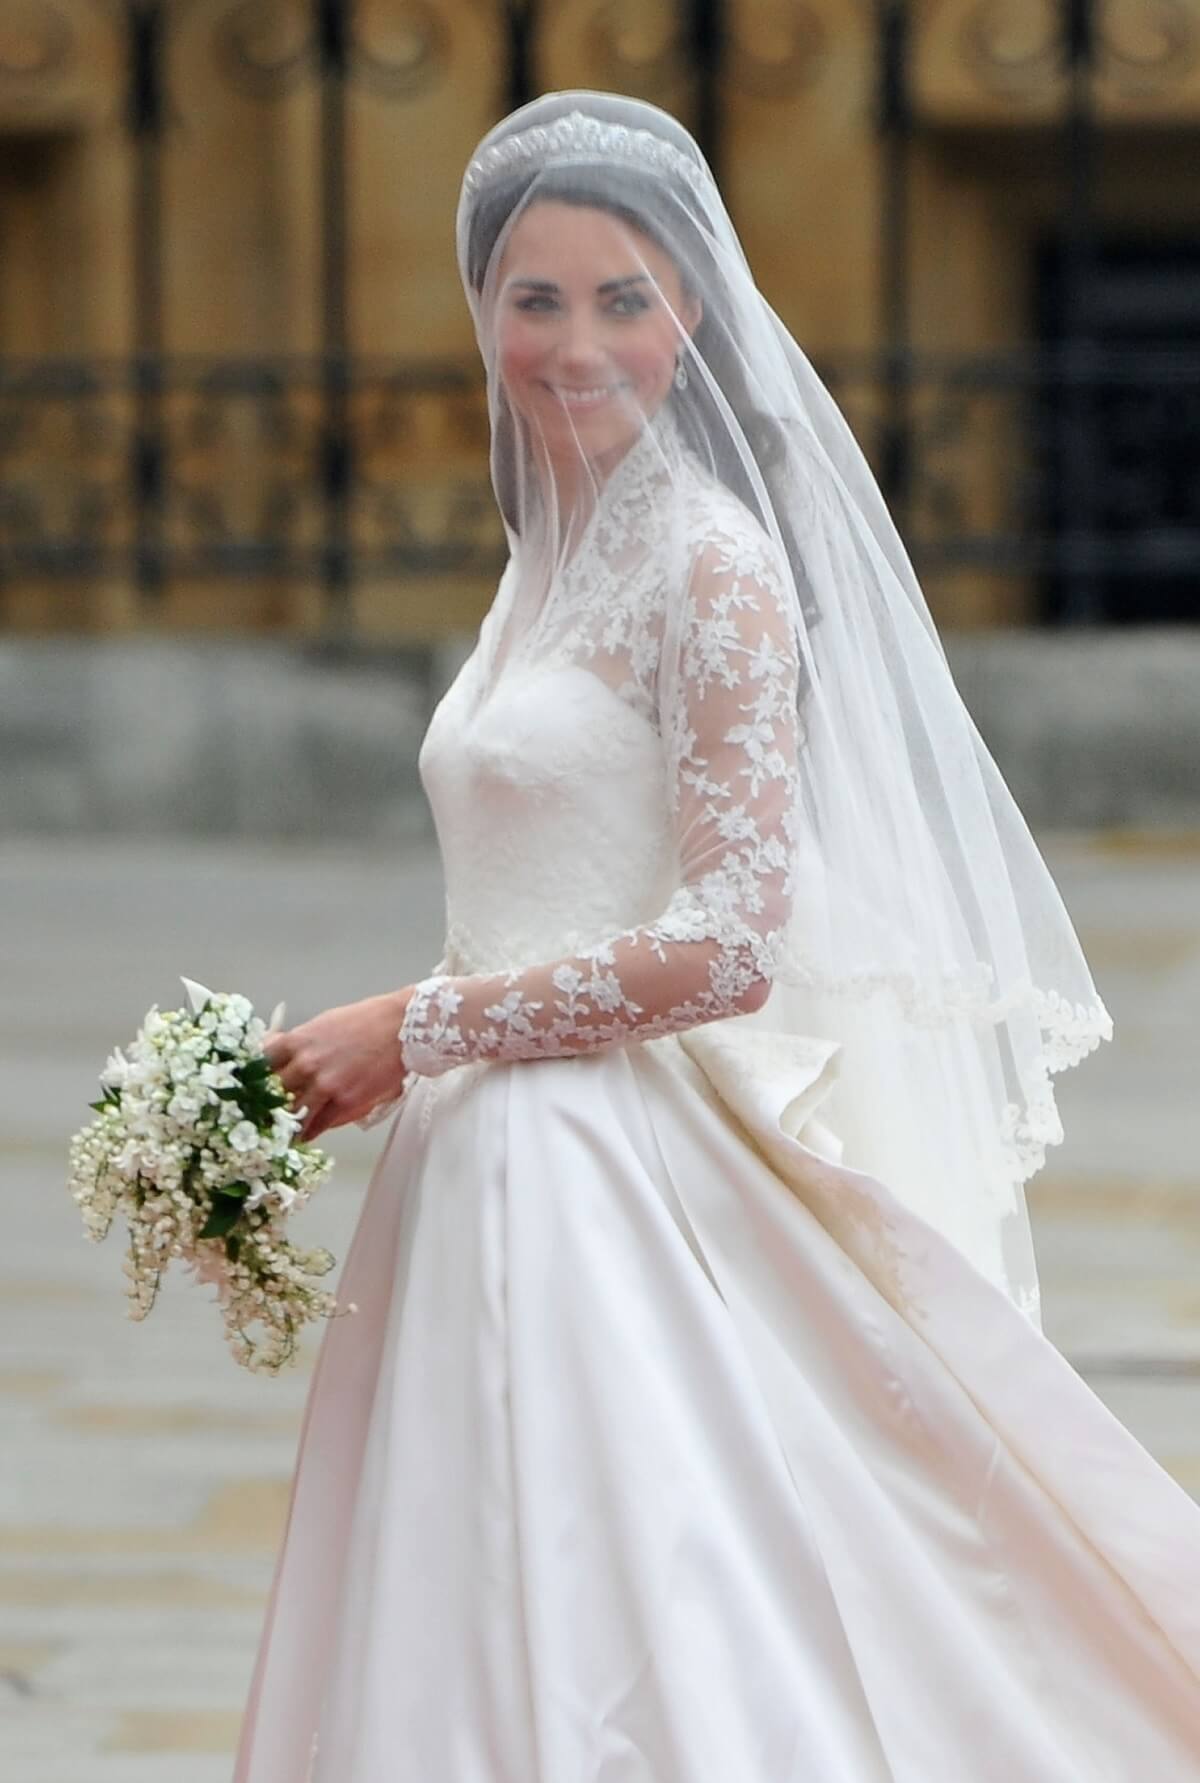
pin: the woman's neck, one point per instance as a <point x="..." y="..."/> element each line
<point x="570" y="485"/>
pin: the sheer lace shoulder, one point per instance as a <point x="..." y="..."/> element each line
<point x="729" y="748"/>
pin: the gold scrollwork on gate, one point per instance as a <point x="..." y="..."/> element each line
<point x="1147" y="45"/>
<point x="1017" y="49"/>
<point x="1013" y="47"/>
<point x="400" y="46"/>
<point x="265" y="45"/>
<point x="37" y="42"/>
<point x="776" y="47"/>
<point x="641" y="40"/>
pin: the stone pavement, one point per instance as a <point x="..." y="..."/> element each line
<point x="144" y="1476"/>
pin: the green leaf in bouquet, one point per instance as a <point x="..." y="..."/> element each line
<point x="264" y="1096"/>
<point x="225" y="1211"/>
<point x="222" y="1217"/>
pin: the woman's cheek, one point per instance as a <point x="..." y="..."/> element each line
<point x="650" y="370"/>
<point x="517" y="377"/>
<point x="518" y="355"/>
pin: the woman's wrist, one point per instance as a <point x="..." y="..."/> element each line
<point x="430" y="1042"/>
<point x="397" y="1004"/>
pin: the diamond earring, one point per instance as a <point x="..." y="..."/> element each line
<point x="681" y="373"/>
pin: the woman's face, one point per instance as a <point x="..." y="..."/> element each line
<point x="588" y="317"/>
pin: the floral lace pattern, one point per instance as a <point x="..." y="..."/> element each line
<point x="1069" y="1033"/>
<point x="731" y="782"/>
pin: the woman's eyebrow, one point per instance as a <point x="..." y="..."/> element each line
<point x="547" y="287"/>
<point x="633" y="278"/>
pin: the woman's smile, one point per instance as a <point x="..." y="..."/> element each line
<point x="585" y="396"/>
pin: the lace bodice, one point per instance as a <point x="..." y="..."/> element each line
<point x="617" y="866"/>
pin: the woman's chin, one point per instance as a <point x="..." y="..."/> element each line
<point x="595" y="432"/>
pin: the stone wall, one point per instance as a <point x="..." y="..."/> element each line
<point x="261" y="738"/>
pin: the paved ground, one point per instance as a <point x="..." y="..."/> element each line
<point x="144" y="1476"/>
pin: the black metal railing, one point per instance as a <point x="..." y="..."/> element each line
<point x="1073" y="465"/>
<point x="993" y="463"/>
<point x="242" y="476"/>
<point x="241" y="470"/>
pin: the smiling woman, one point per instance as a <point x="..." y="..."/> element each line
<point x="696" y="1422"/>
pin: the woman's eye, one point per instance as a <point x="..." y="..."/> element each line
<point x="630" y="303"/>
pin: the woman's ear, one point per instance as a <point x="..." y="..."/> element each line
<point x="693" y="313"/>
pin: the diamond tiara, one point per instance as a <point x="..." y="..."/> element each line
<point x="577" y="137"/>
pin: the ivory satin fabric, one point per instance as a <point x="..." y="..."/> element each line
<point x="665" y="1448"/>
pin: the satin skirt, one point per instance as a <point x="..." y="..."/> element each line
<point x="663" y="1449"/>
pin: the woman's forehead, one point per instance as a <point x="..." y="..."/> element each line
<point x="577" y="245"/>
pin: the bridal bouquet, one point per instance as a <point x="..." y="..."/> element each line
<point x="194" y="1142"/>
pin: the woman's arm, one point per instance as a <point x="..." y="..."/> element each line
<point x="732" y="755"/>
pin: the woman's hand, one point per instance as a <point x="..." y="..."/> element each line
<point x="343" y="1063"/>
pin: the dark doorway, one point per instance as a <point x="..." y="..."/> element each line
<point x="1141" y="318"/>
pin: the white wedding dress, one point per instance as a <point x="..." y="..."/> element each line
<point x="665" y="1447"/>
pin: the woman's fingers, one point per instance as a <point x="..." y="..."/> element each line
<point x="317" y="1120"/>
<point x="280" y="1054"/>
<point x="277" y="1049"/>
<point x="296" y="1079"/>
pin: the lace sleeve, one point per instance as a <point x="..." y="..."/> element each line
<point x="731" y="739"/>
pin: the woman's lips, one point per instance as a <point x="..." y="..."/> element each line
<point x="585" y="396"/>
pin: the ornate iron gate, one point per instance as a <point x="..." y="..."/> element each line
<point x="98" y="457"/>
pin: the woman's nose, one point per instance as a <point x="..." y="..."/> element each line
<point x="578" y="344"/>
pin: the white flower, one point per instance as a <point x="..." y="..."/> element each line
<point x="218" y="1074"/>
<point x="285" y="1124"/>
<point x="244" y="1137"/>
<point x="141" y="1073"/>
<point x="282" y="1193"/>
<point x="198" y="994"/>
<point x="116" y="1071"/>
<point x="128" y="1160"/>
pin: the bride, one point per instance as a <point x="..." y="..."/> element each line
<point x="696" y="1424"/>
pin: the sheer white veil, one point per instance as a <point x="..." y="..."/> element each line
<point x="926" y="935"/>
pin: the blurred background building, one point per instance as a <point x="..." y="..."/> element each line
<point x="239" y="396"/>
<point x="238" y="388"/>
